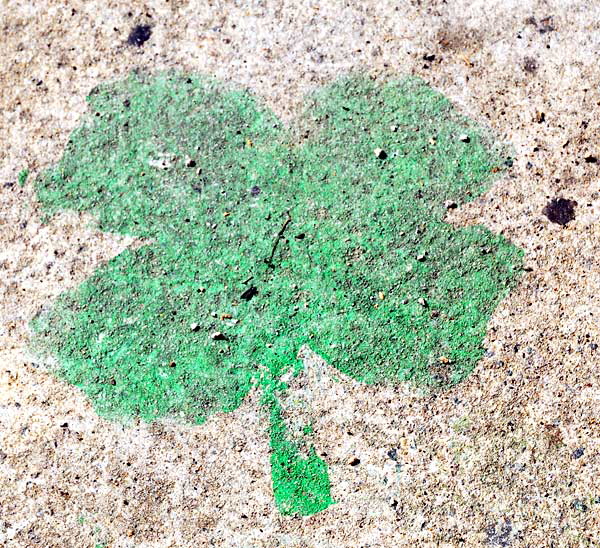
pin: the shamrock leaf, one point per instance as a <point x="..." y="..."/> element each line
<point x="261" y="240"/>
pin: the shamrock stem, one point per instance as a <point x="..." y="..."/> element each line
<point x="300" y="482"/>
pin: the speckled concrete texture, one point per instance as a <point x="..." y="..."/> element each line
<point x="508" y="458"/>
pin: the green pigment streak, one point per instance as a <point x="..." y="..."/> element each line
<point x="358" y="226"/>
<point x="300" y="479"/>
<point x="22" y="178"/>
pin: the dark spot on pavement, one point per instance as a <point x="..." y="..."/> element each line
<point x="560" y="210"/>
<point x="578" y="453"/>
<point x="530" y="65"/>
<point x="499" y="534"/>
<point x="139" y="34"/>
<point x="546" y="25"/>
<point x="249" y="293"/>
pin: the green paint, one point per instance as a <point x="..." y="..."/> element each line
<point x="308" y="429"/>
<point x="307" y="215"/>
<point x="22" y="178"/>
<point x="300" y="481"/>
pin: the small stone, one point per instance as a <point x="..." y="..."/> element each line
<point x="172" y="364"/>
<point x="353" y="461"/>
<point x="226" y="317"/>
<point x="422" y="301"/>
<point x="450" y="204"/>
<point x="579" y="505"/>
<point x="381" y="295"/>
<point x="444" y="360"/>
<point x="421" y="257"/>
<point x="159" y="163"/>
<point x="464" y="138"/>
<point x="194" y="327"/>
<point x="393" y="129"/>
<point x="404" y="301"/>
<point x="218" y="336"/>
<point x="189" y="162"/>
<point x="380" y="154"/>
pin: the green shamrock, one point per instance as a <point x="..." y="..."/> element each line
<point x="262" y="239"/>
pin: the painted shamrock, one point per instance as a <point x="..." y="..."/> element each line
<point x="262" y="239"/>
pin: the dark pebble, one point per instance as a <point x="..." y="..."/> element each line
<point x="579" y="505"/>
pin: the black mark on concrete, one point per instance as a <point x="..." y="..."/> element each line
<point x="560" y="210"/>
<point x="139" y="34"/>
